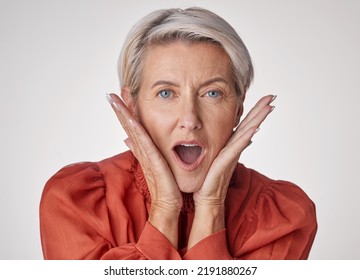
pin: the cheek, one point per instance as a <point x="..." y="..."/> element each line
<point x="220" y="123"/>
<point x="155" y="122"/>
<point x="221" y="135"/>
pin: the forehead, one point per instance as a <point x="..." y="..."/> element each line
<point x="183" y="60"/>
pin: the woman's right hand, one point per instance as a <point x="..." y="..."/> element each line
<point x="166" y="198"/>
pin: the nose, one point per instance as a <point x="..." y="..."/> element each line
<point x="189" y="114"/>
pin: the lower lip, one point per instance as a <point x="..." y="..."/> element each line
<point x="185" y="166"/>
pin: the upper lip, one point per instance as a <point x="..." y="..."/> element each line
<point x="190" y="143"/>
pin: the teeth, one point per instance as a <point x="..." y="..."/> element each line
<point x="189" y="145"/>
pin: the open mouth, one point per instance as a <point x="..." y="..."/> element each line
<point x="188" y="155"/>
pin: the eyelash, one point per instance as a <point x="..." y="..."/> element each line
<point x="170" y="93"/>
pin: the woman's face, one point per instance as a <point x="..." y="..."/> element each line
<point x="188" y="105"/>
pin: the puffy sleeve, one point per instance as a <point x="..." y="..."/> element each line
<point x="280" y="224"/>
<point x="75" y="221"/>
<point x="213" y="247"/>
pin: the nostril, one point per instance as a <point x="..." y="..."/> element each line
<point x="191" y="124"/>
<point x="190" y="121"/>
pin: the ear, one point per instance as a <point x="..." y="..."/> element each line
<point x="238" y="115"/>
<point x="129" y="100"/>
<point x="240" y="110"/>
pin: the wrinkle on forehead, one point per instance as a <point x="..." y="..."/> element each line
<point x="203" y="61"/>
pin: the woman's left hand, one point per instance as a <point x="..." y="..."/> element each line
<point x="209" y="200"/>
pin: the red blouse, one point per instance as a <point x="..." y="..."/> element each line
<point x="100" y="211"/>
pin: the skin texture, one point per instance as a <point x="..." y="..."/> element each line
<point x="187" y="94"/>
<point x="189" y="114"/>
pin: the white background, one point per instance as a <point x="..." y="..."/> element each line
<point x="58" y="59"/>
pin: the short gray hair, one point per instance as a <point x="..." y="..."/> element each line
<point x="190" y="25"/>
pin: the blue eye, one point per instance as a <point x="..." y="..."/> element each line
<point x="165" y="94"/>
<point x="213" y="93"/>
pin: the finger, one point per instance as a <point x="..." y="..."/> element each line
<point x="122" y="112"/>
<point x="241" y="139"/>
<point x="264" y="101"/>
<point x="130" y="124"/>
<point x="252" y="124"/>
<point x="126" y="120"/>
<point x="257" y="119"/>
<point x="225" y="162"/>
<point x="136" y="133"/>
<point x="128" y="143"/>
<point x="238" y="144"/>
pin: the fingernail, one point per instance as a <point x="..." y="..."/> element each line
<point x="113" y="102"/>
<point x="272" y="108"/>
<point x="273" y="98"/>
<point x="256" y="130"/>
<point x="128" y="143"/>
<point x="109" y="98"/>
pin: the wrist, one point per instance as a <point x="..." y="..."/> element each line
<point x="163" y="214"/>
<point x="166" y="221"/>
<point x="212" y="217"/>
<point x="207" y="221"/>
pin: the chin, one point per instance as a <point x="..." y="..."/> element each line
<point x="189" y="189"/>
<point x="187" y="184"/>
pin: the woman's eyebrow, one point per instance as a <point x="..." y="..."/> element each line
<point x="206" y="83"/>
<point x="214" y="80"/>
<point x="164" y="82"/>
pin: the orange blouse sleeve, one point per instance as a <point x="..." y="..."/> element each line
<point x="281" y="225"/>
<point x="213" y="247"/>
<point x="75" y="223"/>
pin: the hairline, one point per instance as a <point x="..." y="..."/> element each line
<point x="190" y="25"/>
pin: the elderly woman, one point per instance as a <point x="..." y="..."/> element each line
<point x="179" y="193"/>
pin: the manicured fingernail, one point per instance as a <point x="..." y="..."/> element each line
<point x="113" y="102"/>
<point x="273" y="98"/>
<point x="128" y="143"/>
<point x="109" y="98"/>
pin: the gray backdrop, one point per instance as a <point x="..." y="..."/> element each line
<point x="58" y="59"/>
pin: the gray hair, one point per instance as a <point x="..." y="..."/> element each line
<point x="189" y="25"/>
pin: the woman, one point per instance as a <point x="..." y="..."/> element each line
<point x="180" y="192"/>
